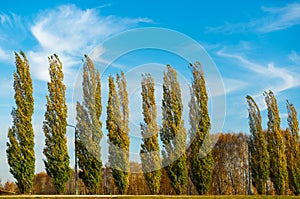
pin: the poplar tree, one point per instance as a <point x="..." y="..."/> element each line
<point x="89" y="128"/>
<point x="276" y="149"/>
<point x="117" y="126"/>
<point x="259" y="156"/>
<point x="20" y="148"/>
<point x="173" y="134"/>
<point x="56" y="152"/>
<point x="150" y="154"/>
<point x="293" y="149"/>
<point x="200" y="156"/>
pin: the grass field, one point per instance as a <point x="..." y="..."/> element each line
<point x="142" y="197"/>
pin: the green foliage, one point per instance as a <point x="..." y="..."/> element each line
<point x="293" y="149"/>
<point x="56" y="152"/>
<point x="89" y="128"/>
<point x="117" y="126"/>
<point x="150" y="157"/>
<point x="259" y="159"/>
<point x="276" y="149"/>
<point x="200" y="156"/>
<point x="173" y="134"/>
<point x="20" y="151"/>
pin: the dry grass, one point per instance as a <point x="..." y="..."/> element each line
<point x="142" y="197"/>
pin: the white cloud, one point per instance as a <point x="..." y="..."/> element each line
<point x="12" y="32"/>
<point x="4" y="18"/>
<point x="266" y="77"/>
<point x="97" y="56"/>
<point x="294" y="57"/>
<point x="281" y="18"/>
<point x="11" y="21"/>
<point x="232" y="85"/>
<point x="9" y="26"/>
<point x="39" y="65"/>
<point x="4" y="56"/>
<point x="281" y="77"/>
<point x="276" y="18"/>
<point x="71" y="32"/>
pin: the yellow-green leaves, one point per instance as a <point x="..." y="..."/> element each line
<point x="200" y="157"/>
<point x="278" y="170"/>
<point x="89" y="128"/>
<point x="292" y="150"/>
<point x="56" y="151"/>
<point x="173" y="134"/>
<point x="117" y="126"/>
<point x="150" y="154"/>
<point x="20" y="151"/>
<point x="259" y="156"/>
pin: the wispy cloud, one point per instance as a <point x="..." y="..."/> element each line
<point x="232" y="85"/>
<point x="10" y="21"/>
<point x="4" y="18"/>
<point x="9" y="26"/>
<point x="276" y="18"/>
<point x="281" y="18"/>
<point x="4" y="55"/>
<point x="295" y="57"/>
<point x="277" y="79"/>
<point x="283" y="78"/>
<point x="71" y="32"/>
<point x="12" y="33"/>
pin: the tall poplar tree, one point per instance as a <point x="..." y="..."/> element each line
<point x="117" y="126"/>
<point x="173" y="134"/>
<point x="56" y="152"/>
<point x="89" y="128"/>
<point x="293" y="149"/>
<point x="276" y="149"/>
<point x="259" y="156"/>
<point x="200" y="156"/>
<point x="150" y="153"/>
<point x="20" y="151"/>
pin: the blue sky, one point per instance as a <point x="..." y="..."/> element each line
<point x="254" y="45"/>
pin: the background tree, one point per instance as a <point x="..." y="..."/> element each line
<point x="292" y="149"/>
<point x="117" y="126"/>
<point x="259" y="159"/>
<point x="43" y="184"/>
<point x="10" y="188"/>
<point x="56" y="152"/>
<point x="276" y="149"/>
<point x="20" y="151"/>
<point x="200" y="157"/>
<point x="150" y="153"/>
<point x="89" y="128"/>
<point x="173" y="134"/>
<point x="230" y="165"/>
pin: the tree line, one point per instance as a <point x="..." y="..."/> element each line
<point x="274" y="153"/>
<point x="237" y="163"/>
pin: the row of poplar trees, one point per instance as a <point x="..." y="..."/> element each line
<point x="196" y="162"/>
<point x="20" y="147"/>
<point x="274" y="154"/>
